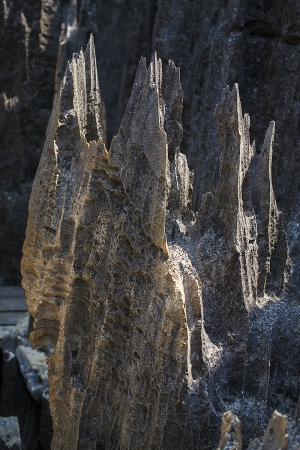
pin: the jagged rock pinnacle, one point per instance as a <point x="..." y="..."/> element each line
<point x="151" y="309"/>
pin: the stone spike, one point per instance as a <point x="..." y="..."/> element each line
<point x="173" y="98"/>
<point x="77" y="69"/>
<point x="155" y="70"/>
<point x="231" y="433"/>
<point x="134" y="100"/>
<point x="224" y="234"/>
<point x="237" y="151"/>
<point x="155" y="82"/>
<point x="180" y="186"/>
<point x="87" y="99"/>
<point x="65" y="143"/>
<point x="142" y="139"/>
<point x="236" y="212"/>
<point x="270" y="231"/>
<point x="93" y="91"/>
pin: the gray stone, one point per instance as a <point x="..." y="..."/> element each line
<point x="10" y="434"/>
<point x="34" y="370"/>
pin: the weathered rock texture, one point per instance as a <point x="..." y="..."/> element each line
<point x="280" y="434"/>
<point x="159" y="317"/>
<point x="9" y="434"/>
<point x="231" y="433"/>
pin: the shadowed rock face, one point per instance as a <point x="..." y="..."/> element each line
<point x="159" y="317"/>
<point x="29" y="38"/>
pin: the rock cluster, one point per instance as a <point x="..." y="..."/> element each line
<point x="280" y="434"/>
<point x="158" y="316"/>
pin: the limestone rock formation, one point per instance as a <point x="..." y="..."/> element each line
<point x="158" y="316"/>
<point x="254" y="43"/>
<point x="9" y="433"/>
<point x="275" y="436"/>
<point x="280" y="434"/>
<point x="231" y="435"/>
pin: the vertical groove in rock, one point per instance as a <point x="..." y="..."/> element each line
<point x="152" y="309"/>
<point x="269" y="219"/>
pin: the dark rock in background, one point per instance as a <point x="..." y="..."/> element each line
<point x="17" y="400"/>
<point x="29" y="35"/>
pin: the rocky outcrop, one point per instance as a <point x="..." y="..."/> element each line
<point x="280" y="434"/>
<point x="158" y="316"/>
<point x="276" y="434"/>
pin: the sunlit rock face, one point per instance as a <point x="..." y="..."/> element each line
<point x="161" y="319"/>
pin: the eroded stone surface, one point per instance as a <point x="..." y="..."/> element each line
<point x="279" y="434"/>
<point x="158" y="316"/>
<point x="231" y="435"/>
<point x="10" y="434"/>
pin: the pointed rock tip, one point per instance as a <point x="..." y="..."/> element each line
<point x="90" y="53"/>
<point x="171" y="63"/>
<point x="154" y="58"/>
<point x="230" y="102"/>
<point x="269" y="138"/>
<point x="142" y="64"/>
<point x="141" y="73"/>
<point x="174" y="70"/>
<point x="91" y="41"/>
<point x="155" y="69"/>
<point x="90" y="47"/>
<point x="271" y="130"/>
<point x="172" y="67"/>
